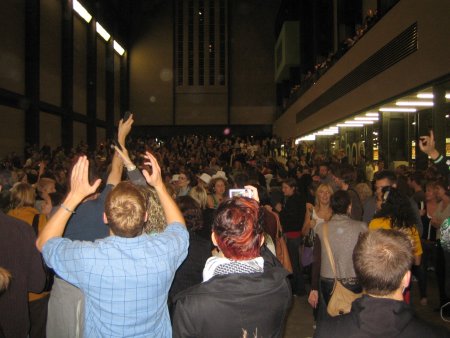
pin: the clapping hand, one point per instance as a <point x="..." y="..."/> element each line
<point x="80" y="187"/>
<point x="154" y="178"/>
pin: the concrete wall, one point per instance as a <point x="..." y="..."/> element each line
<point x="50" y="35"/>
<point x="251" y="95"/>
<point x="12" y="56"/>
<point x="151" y="64"/>
<point x="252" y="41"/>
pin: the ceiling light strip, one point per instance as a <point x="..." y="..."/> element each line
<point x="102" y="32"/>
<point x="77" y="7"/>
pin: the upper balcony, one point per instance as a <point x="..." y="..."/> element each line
<point x="407" y="48"/>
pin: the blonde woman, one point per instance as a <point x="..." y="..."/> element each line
<point x="321" y="211"/>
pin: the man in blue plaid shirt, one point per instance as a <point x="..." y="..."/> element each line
<point x="126" y="276"/>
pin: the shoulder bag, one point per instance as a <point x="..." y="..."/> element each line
<point x="281" y="247"/>
<point x="341" y="298"/>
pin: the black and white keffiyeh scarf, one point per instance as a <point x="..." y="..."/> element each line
<point x="224" y="266"/>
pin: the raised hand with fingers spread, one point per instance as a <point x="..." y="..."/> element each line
<point x="80" y="188"/>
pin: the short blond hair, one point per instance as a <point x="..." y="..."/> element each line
<point x="125" y="210"/>
<point x="22" y="195"/>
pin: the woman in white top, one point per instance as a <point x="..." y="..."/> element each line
<point x="321" y="211"/>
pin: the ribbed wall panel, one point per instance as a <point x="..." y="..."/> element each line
<point x="397" y="49"/>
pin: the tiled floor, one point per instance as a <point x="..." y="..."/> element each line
<point x="300" y="319"/>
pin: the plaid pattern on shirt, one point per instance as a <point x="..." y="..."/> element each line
<point x="125" y="280"/>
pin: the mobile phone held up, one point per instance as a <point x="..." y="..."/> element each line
<point x="240" y="193"/>
<point x="126" y="115"/>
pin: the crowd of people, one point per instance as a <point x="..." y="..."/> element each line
<point x="181" y="237"/>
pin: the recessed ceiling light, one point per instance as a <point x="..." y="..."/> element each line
<point x="415" y="103"/>
<point x="425" y="95"/>
<point x="350" y="125"/>
<point x="399" y="110"/>
<point x="358" y="122"/>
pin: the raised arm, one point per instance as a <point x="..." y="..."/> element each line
<point x="171" y="211"/>
<point x="133" y="173"/>
<point x="118" y="162"/>
<point x="79" y="190"/>
<point x="428" y="146"/>
<point x="115" y="175"/>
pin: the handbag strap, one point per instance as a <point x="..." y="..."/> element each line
<point x="327" y="247"/>
<point x="35" y="224"/>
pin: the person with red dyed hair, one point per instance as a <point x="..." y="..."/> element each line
<point x="244" y="286"/>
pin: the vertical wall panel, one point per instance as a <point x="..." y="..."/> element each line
<point x="151" y="66"/>
<point x="79" y="65"/>
<point x="101" y="78"/>
<point x="12" y="48"/>
<point x="101" y="135"/>
<point x="50" y="130"/>
<point x="116" y="88"/>
<point x="12" y="131"/>
<point x="50" y="50"/>
<point x="252" y="89"/>
<point x="79" y="133"/>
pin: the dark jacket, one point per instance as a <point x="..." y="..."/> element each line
<point x="379" y="317"/>
<point x="18" y="255"/>
<point x="292" y="215"/>
<point x="226" y="305"/>
<point x="190" y="271"/>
